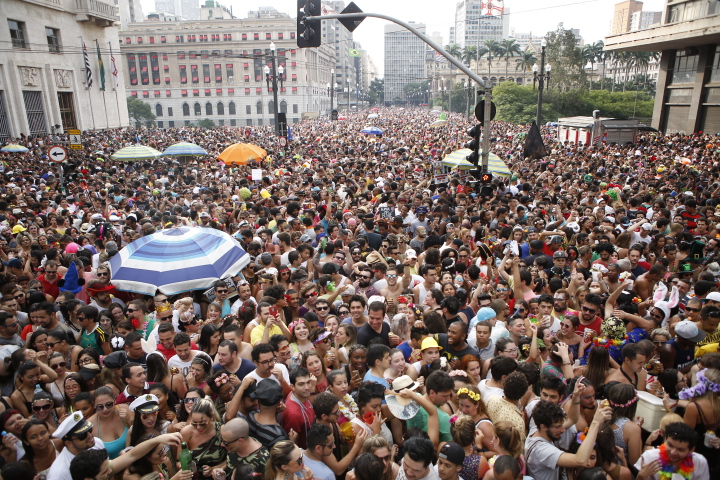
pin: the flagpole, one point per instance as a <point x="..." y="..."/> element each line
<point x="88" y="80"/>
<point x="102" y="83"/>
<point x="114" y="75"/>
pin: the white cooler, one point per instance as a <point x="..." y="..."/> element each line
<point x="651" y="409"/>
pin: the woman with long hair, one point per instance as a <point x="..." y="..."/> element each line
<point x="43" y="408"/>
<point x="567" y="334"/>
<point x="322" y="343"/>
<point x="214" y="314"/>
<point x="200" y="371"/>
<point x="38" y="340"/>
<point x="378" y="446"/>
<point x="300" y="341"/>
<point x="158" y="372"/>
<point x="105" y="319"/>
<point x="398" y="366"/>
<point x="58" y="364"/>
<point x="166" y="400"/>
<point x="471" y="403"/>
<point x="703" y="414"/>
<point x="623" y="398"/>
<point x="465" y="434"/>
<point x="345" y="338"/>
<point x="507" y="440"/>
<point x="209" y="339"/>
<point x="147" y="421"/>
<point x="203" y="437"/>
<point x="472" y="366"/>
<point x="185" y="407"/>
<point x="108" y="425"/>
<point x="286" y="461"/>
<point x="338" y="386"/>
<point x="504" y="347"/>
<point x="158" y="464"/>
<point x="29" y="375"/>
<point x="314" y="364"/>
<point x="598" y="366"/>
<point x="40" y="450"/>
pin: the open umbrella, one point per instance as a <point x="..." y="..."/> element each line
<point x="373" y="115"/>
<point x="435" y="111"/>
<point x="372" y="131"/>
<point x="177" y="260"/>
<point x="14" y="148"/>
<point x="342" y="117"/>
<point x="457" y="159"/>
<point x="136" y="152"/>
<point x="375" y="109"/>
<point x="440" y="121"/>
<point x="241" y="154"/>
<point x="184" y="149"/>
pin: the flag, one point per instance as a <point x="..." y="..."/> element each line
<point x="354" y="52"/>
<point x="101" y="67"/>
<point x="289" y="133"/>
<point x="113" y="68"/>
<point x="492" y="8"/>
<point x="534" y="147"/>
<point x="88" y="71"/>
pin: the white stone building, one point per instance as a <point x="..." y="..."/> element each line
<point x="42" y="70"/>
<point x="215" y="69"/>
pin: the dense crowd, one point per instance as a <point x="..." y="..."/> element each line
<point x="389" y="324"/>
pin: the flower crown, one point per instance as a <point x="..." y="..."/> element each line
<point x="222" y="380"/>
<point x="472" y="395"/>
<point x="453" y="419"/>
<point x="700" y="388"/>
<point x="458" y="373"/>
<point x="623" y="405"/>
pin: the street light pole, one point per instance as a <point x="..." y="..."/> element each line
<point x="541" y="81"/>
<point x="348" y="94"/>
<point x="274" y="89"/>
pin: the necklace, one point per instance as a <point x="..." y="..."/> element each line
<point x="351" y="411"/>
<point x="667" y="469"/>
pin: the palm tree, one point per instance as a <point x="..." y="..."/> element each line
<point x="468" y="54"/>
<point x="525" y="62"/>
<point x="508" y="48"/>
<point x="454" y="50"/>
<point x="491" y="50"/>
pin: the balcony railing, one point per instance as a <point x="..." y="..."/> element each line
<point x="87" y="10"/>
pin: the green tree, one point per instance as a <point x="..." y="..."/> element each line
<point x="518" y="104"/>
<point x="455" y="51"/>
<point x="509" y="48"/>
<point x="592" y="54"/>
<point x="490" y="49"/>
<point x="469" y="54"/>
<point x="377" y="91"/>
<point x="140" y="111"/>
<point x="206" y="123"/>
<point x="525" y="62"/>
<point x="568" y="63"/>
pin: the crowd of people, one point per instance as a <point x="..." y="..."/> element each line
<point x="391" y="323"/>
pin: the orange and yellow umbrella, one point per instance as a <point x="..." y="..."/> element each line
<point x="241" y="154"/>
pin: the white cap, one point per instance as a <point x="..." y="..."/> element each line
<point x="73" y="425"/>
<point x="147" y="403"/>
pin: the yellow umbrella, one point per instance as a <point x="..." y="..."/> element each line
<point x="241" y="154"/>
<point x="457" y="159"/>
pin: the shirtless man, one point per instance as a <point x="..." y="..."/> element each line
<point x="645" y="283"/>
<point x="394" y="288"/>
<point x="631" y="371"/>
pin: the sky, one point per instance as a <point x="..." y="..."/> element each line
<point x="592" y="17"/>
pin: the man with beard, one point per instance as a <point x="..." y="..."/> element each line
<point x="560" y="310"/>
<point x="454" y="343"/>
<point x="363" y="285"/>
<point x="590" y="314"/>
<point x="544" y="458"/>
<point x="394" y="288"/>
<point x="244" y="296"/>
<point x="588" y="404"/>
<point x="76" y="434"/>
<point x="416" y="243"/>
<point x="43" y="314"/>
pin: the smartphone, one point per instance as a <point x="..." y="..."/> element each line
<point x="273" y="311"/>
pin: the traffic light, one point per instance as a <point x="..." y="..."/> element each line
<point x="308" y="31"/>
<point x="485" y="178"/>
<point x="474" y="144"/>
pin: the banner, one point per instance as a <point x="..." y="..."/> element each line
<point x="113" y="68"/>
<point x="492" y="8"/>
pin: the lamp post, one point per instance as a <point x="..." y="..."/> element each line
<point x="331" y="86"/>
<point x="540" y="77"/>
<point x="348" y="94"/>
<point x="273" y="77"/>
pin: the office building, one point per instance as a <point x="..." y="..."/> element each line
<point x="471" y="28"/>
<point x="187" y="9"/>
<point x="622" y="14"/>
<point x="43" y="80"/>
<point x="346" y="66"/>
<point x="687" y="95"/>
<point x="405" y="61"/>
<point x="130" y="11"/>
<point x="215" y="69"/>
<point x="641" y="20"/>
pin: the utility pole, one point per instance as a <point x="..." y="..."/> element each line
<point x="274" y="88"/>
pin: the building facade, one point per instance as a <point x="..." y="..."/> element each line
<point x="642" y="20"/>
<point x="187" y="9"/>
<point x="622" y="14"/>
<point x="472" y="29"/>
<point x="688" y="83"/>
<point x="347" y="67"/>
<point x="405" y="60"/>
<point x="43" y="83"/>
<point x="215" y="69"/>
<point x="130" y="11"/>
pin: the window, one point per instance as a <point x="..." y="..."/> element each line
<point x="220" y="108"/>
<point x="170" y="112"/>
<point x="248" y="122"/>
<point x="160" y="124"/>
<point x="230" y="71"/>
<point x="231" y="108"/>
<point x="233" y="122"/>
<point x="156" y="93"/>
<point x="198" y="109"/>
<point x="294" y="77"/>
<point x="207" y="92"/>
<point x="208" y="109"/>
<point x="183" y="73"/>
<point x="259" y="107"/>
<point x="163" y="39"/>
<point x="280" y="35"/>
<point x="231" y="91"/>
<point x="221" y="122"/>
<point x="244" y="36"/>
<point x="146" y="94"/>
<point x="193" y="54"/>
<point x="128" y="40"/>
<point x="218" y="91"/>
<point x="295" y="108"/>
<point x="35" y="112"/>
<point x="206" y="73"/>
<point x="152" y="39"/>
<point x="204" y="54"/>
<point x="283" y="106"/>
<point x="248" y="110"/>
<point x="256" y="36"/>
<point x="180" y="39"/>
<point x="247" y="91"/>
<point x="181" y="55"/>
<point x="268" y="36"/>
<point x="17" y="35"/>
<point x="247" y="78"/>
<point x="186" y="109"/>
<point x="158" y="110"/>
<point x="53" y="39"/>
<point x="139" y="39"/>
<point x="196" y="93"/>
<point x="67" y="110"/>
<point x="292" y="37"/>
<point x="684" y="68"/>
<point x="171" y="124"/>
<point x="168" y="93"/>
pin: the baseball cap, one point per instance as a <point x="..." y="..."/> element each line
<point x="305" y="238"/>
<point x="712" y="296"/>
<point x="268" y="392"/>
<point x="560" y="254"/>
<point x="689" y="331"/>
<point x="647" y="226"/>
<point x="453" y="453"/>
<point x="625" y="221"/>
<point x="556" y="239"/>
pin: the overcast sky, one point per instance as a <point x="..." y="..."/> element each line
<point x="592" y="17"/>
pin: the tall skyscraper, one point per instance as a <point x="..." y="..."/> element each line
<point x="188" y="9"/>
<point x="641" y="20"/>
<point x="471" y="28"/>
<point x="404" y="60"/>
<point x="130" y="11"/>
<point x="622" y="15"/>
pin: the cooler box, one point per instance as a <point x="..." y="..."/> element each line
<point x="651" y="409"/>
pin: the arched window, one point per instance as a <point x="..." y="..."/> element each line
<point x="271" y="106"/>
<point x="198" y="109"/>
<point x="231" y="108"/>
<point x="220" y="108"/>
<point x="186" y="109"/>
<point x="158" y="110"/>
<point x="259" y="107"/>
<point x="208" y="109"/>
<point x="283" y="106"/>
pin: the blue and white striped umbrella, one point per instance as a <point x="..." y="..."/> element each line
<point x="184" y="149"/>
<point x="177" y="260"/>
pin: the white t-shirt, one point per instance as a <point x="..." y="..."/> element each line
<point x="487" y="391"/>
<point x="60" y="469"/>
<point x="285" y="374"/>
<point x="184" y="367"/>
<point x="701" y="471"/>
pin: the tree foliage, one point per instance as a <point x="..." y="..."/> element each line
<point x="206" y="123"/>
<point x="567" y="60"/>
<point x="140" y="111"/>
<point x="377" y="91"/>
<point x="518" y="104"/>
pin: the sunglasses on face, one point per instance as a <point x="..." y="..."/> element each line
<point x="322" y="309"/>
<point x="82" y="436"/>
<point x="38" y="408"/>
<point x="690" y="309"/>
<point x="589" y="310"/>
<point x="106" y="406"/>
<point x="50" y="345"/>
<point x="56" y="366"/>
<point x="221" y="292"/>
<point x="190" y="400"/>
<point x="314" y="294"/>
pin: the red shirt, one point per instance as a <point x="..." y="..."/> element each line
<point x="168" y="353"/>
<point x="595" y="325"/>
<point x="299" y="418"/>
<point x="51" y="289"/>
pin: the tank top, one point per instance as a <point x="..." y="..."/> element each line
<point x="116" y="446"/>
<point x="683" y="358"/>
<point x="618" y="434"/>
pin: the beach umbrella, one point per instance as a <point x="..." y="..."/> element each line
<point x="136" y="152"/>
<point x="282" y="171"/>
<point x="375" y="109"/>
<point x="458" y="159"/>
<point x="177" y="260"/>
<point x="241" y="154"/>
<point x="440" y="121"/>
<point x="14" y="148"/>
<point x="184" y="149"/>
<point x="372" y="131"/>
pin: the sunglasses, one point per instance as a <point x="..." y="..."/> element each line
<point x="190" y="400"/>
<point x="391" y="276"/>
<point x="322" y="309"/>
<point x="39" y="408"/>
<point x="82" y="436"/>
<point x="221" y="291"/>
<point x="55" y="366"/>
<point x="198" y="424"/>
<point x="49" y="344"/>
<point x="366" y="277"/>
<point x="131" y="310"/>
<point x="690" y="309"/>
<point x="589" y="310"/>
<point x="314" y="294"/>
<point x="105" y="274"/>
<point x="105" y="406"/>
